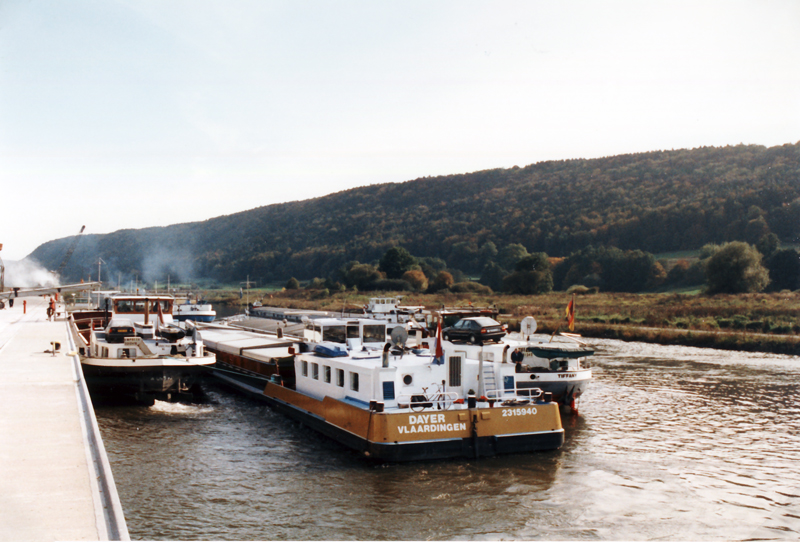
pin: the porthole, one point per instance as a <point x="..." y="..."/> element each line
<point x="407" y="380"/>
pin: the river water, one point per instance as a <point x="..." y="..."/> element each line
<point x="672" y="443"/>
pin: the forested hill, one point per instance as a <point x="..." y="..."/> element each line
<point x="656" y="201"/>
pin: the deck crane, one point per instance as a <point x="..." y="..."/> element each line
<point x="70" y="250"/>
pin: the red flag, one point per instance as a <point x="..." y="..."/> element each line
<point x="571" y="314"/>
<point x="439" y="354"/>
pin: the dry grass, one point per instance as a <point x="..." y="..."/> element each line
<point x="753" y="322"/>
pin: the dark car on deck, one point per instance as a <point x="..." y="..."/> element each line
<point x="475" y="330"/>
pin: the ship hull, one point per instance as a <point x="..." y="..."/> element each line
<point x="565" y="386"/>
<point x="408" y="436"/>
<point x="109" y="380"/>
<point x="195" y="317"/>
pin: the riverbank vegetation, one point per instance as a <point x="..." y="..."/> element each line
<point x="763" y="322"/>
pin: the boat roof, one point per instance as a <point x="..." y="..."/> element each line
<point x="141" y="296"/>
<point x="347" y="321"/>
<point x="466" y="312"/>
<point x="371" y="359"/>
<point x="246" y="343"/>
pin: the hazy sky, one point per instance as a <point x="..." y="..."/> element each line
<point x="127" y="114"/>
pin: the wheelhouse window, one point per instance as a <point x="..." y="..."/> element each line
<point x="354" y="381"/>
<point x="334" y="334"/>
<point x="165" y="306"/>
<point x="137" y="306"/>
<point x="374" y="334"/>
<point x="326" y="374"/>
<point x="340" y="378"/>
<point x="305" y="368"/>
<point x="315" y="371"/>
<point x="124" y="306"/>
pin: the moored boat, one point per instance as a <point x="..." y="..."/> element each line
<point x="389" y="401"/>
<point x="131" y="350"/>
<point x="199" y="311"/>
<point x="559" y="368"/>
<point x="556" y="364"/>
<point x="248" y="358"/>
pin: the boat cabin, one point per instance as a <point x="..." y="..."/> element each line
<point x="389" y="308"/>
<point x="140" y="309"/>
<point x="355" y="333"/>
<point x="352" y="361"/>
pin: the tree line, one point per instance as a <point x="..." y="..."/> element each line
<point x="735" y="267"/>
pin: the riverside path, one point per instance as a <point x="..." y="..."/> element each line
<point x="56" y="482"/>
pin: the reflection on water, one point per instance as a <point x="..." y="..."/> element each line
<point x="672" y="443"/>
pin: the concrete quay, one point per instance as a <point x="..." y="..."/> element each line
<point x="56" y="482"/>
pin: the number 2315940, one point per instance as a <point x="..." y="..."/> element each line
<point x="519" y="411"/>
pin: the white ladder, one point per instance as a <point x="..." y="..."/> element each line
<point x="489" y="381"/>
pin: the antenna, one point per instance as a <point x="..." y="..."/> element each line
<point x="100" y="261"/>
<point x="247" y="284"/>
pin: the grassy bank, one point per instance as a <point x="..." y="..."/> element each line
<point x="750" y="322"/>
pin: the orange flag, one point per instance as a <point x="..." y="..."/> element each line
<point x="571" y="314"/>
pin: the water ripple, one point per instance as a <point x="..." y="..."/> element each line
<point x="672" y="443"/>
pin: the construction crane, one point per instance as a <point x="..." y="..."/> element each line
<point x="2" y="274"/>
<point x="70" y="250"/>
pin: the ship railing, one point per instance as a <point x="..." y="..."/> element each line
<point x="496" y="394"/>
<point x="440" y="400"/>
<point x="527" y="393"/>
<point x="501" y="394"/>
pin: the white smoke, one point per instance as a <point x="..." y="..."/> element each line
<point x="28" y="274"/>
<point x="161" y="262"/>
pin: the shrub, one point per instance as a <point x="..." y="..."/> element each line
<point x="442" y="281"/>
<point x="470" y="287"/>
<point x="396" y="261"/>
<point x="416" y="279"/>
<point x="292" y="284"/>
<point x="739" y="322"/>
<point x="580" y="289"/>
<point x="394" y="285"/>
<point x="736" y="268"/>
<point x="314" y="284"/>
<point x="754" y="325"/>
